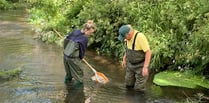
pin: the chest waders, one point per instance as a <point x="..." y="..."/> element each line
<point x="135" y="62"/>
<point x="72" y="63"/>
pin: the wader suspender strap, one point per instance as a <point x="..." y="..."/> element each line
<point x="133" y="45"/>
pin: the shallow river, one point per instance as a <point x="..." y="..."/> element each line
<point x="42" y="79"/>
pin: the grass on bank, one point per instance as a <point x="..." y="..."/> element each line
<point x="10" y="73"/>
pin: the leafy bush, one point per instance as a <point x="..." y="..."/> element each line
<point x="177" y="30"/>
<point x="4" y="5"/>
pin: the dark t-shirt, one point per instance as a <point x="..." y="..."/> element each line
<point x="79" y="37"/>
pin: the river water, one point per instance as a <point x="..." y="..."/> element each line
<point x="42" y="79"/>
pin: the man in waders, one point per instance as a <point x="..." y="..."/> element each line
<point x="136" y="58"/>
<point x="75" y="45"/>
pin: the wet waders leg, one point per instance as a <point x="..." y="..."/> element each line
<point x="76" y="70"/>
<point x="68" y="76"/>
<point x="140" y="84"/>
<point x="129" y="79"/>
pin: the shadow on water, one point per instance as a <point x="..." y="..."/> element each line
<point x="43" y="72"/>
<point x="75" y="93"/>
<point x="135" y="97"/>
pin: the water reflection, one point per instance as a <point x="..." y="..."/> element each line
<point x="75" y="93"/>
<point x="135" y="97"/>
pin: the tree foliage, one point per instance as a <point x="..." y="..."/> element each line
<point x="4" y="5"/>
<point x="177" y="30"/>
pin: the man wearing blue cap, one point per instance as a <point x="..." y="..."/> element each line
<point x="136" y="58"/>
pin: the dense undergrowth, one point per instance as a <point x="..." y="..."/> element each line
<point x="177" y="30"/>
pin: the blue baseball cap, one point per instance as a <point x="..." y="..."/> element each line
<point x="123" y="31"/>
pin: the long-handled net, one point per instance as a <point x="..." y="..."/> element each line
<point x="99" y="77"/>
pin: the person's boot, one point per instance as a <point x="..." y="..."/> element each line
<point x="68" y="80"/>
<point x="77" y="84"/>
<point x="129" y="87"/>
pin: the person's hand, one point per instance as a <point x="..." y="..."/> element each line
<point x="145" y="71"/>
<point x="123" y="64"/>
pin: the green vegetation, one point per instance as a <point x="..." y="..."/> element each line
<point x="10" y="4"/>
<point x="10" y="73"/>
<point x="178" y="30"/>
<point x="179" y="79"/>
<point x="4" y="5"/>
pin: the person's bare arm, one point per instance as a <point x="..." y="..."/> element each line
<point x="145" y="71"/>
<point x="124" y="61"/>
